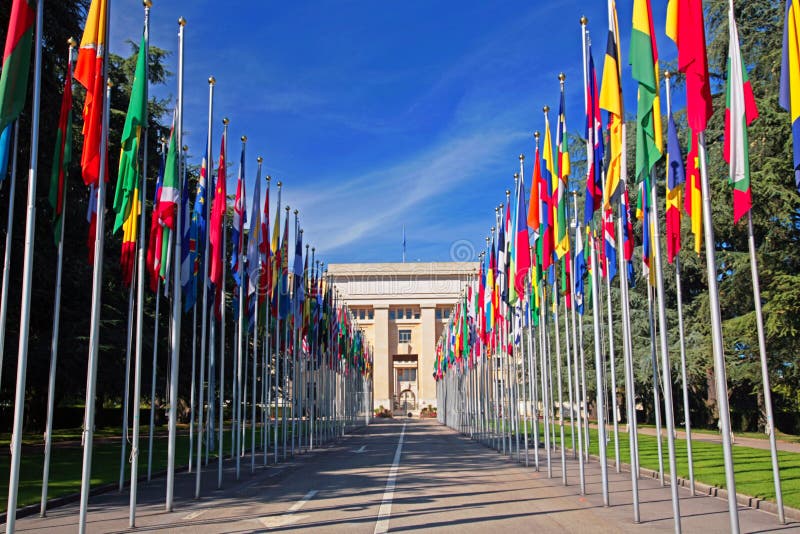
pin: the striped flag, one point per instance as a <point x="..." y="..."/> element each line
<point x="693" y="200"/>
<point x="188" y="248"/>
<point x="167" y="207"/>
<point x="548" y="200"/>
<point x="676" y="176"/>
<point x="594" y="133"/>
<point x="644" y="67"/>
<point x="253" y="253"/>
<point x="561" y="232"/>
<point x="740" y="112"/>
<point x="237" y="225"/>
<point x="89" y="73"/>
<point x="790" y="77"/>
<point x="154" y="242"/>
<point x="16" y="61"/>
<point x="610" y="244"/>
<point x="611" y="101"/>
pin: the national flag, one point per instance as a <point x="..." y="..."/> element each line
<point x="167" y="207"/>
<point x="611" y="101"/>
<point x="265" y="282"/>
<point x="686" y="27"/>
<point x="790" y="77"/>
<point x="283" y="293"/>
<point x="253" y="253"/>
<point x="501" y="280"/>
<point x="216" y="229"/>
<point x="643" y="214"/>
<point x="594" y="133"/>
<point x="561" y="229"/>
<point x="188" y="231"/>
<point x="298" y="294"/>
<point x="154" y="242"/>
<point x="488" y="302"/>
<point x="627" y="235"/>
<point x="580" y="272"/>
<point x="548" y="222"/>
<point x="89" y="72"/>
<point x="5" y="152"/>
<point x="16" y="61"/>
<point x="275" y="265"/>
<point x="62" y="158"/>
<point x="610" y="244"/>
<point x="693" y="199"/>
<point x="237" y="224"/>
<point x="91" y="218"/>
<point x="200" y="207"/>
<point x="644" y="67"/>
<point x="522" y="245"/>
<point x="676" y="177"/>
<point x="740" y="112"/>
<point x="534" y="206"/>
<point x="127" y="200"/>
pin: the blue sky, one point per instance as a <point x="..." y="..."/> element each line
<point x="377" y="115"/>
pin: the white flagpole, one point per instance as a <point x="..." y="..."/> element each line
<point x="575" y="377"/>
<point x="176" y="292"/>
<point x="221" y="436"/>
<point x="153" y="380"/>
<point x="9" y="243"/>
<point x="140" y="282"/>
<point x="27" y="280"/>
<point x="51" y="384"/>
<point x="94" y="340"/>
<point x="127" y="390"/>
<point x="611" y="356"/>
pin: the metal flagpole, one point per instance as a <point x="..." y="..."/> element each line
<point x="656" y="394"/>
<point x="27" y="279"/>
<point x="94" y="340"/>
<point x="598" y="358"/>
<point x="255" y="355"/>
<point x="204" y="314"/>
<point x="285" y="381"/>
<point x="575" y="274"/>
<point x="51" y="384"/>
<point x="678" y="290"/>
<point x="127" y="390"/>
<point x="222" y="348"/>
<point x="176" y="293"/>
<point x="532" y="385"/>
<point x="611" y="355"/>
<point x="666" y="369"/>
<point x="544" y="367"/>
<point x="140" y="282"/>
<point x="153" y="381"/>
<point x="7" y="253"/>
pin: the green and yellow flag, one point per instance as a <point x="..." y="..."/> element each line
<point x="16" y="61"/>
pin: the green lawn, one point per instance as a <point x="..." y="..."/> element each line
<point x="753" y="467"/>
<point x="66" y="461"/>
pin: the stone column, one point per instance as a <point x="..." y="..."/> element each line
<point x="382" y="365"/>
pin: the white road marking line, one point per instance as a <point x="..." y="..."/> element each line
<point x="382" y="526"/>
<point x="194" y="515"/>
<point x="362" y="449"/>
<point x="289" y="517"/>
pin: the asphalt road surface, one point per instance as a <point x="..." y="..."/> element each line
<point x="402" y="475"/>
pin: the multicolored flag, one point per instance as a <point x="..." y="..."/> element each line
<point x="89" y="72"/>
<point x="790" y="77"/>
<point x="581" y="268"/>
<point x="693" y="200"/>
<point x="127" y="199"/>
<point x="611" y="101"/>
<point x="253" y="253"/>
<point x="594" y="133"/>
<point x="167" y="207"/>
<point x="16" y="61"/>
<point x="644" y="67"/>
<point x="91" y="218"/>
<point x="201" y="206"/>
<point x="548" y="173"/>
<point x="237" y="224"/>
<point x="561" y="228"/>
<point x="627" y="236"/>
<point x="676" y="177"/>
<point x="154" y="247"/>
<point x="283" y="293"/>
<point x="188" y="230"/>
<point x="686" y="27"/>
<point x="275" y="266"/>
<point x="740" y="112"/>
<point x="610" y="244"/>
<point x="62" y="158"/>
<point x="522" y="245"/>
<point x="264" y="283"/>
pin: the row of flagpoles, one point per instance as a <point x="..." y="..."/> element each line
<point x="495" y="359"/>
<point x="294" y="336"/>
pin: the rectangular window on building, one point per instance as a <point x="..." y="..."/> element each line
<point x="416" y="314"/>
<point x="408" y="313"/>
<point x="391" y="315"/>
<point x="447" y="313"/>
<point x="404" y="336"/>
<point x="362" y="314"/>
<point x="371" y="314"/>
<point x="438" y="313"/>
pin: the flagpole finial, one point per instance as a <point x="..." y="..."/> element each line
<point x="186" y="148"/>
<point x="287" y="209"/>
<point x="516" y="176"/>
<point x="562" y="77"/>
<point x="244" y="139"/>
<point x="181" y="21"/>
<point x="667" y="74"/>
<point x="536" y="134"/>
<point x="110" y="84"/>
<point x="212" y="80"/>
<point x="301" y="232"/>
<point x="260" y="160"/>
<point x="522" y="157"/>
<point x="508" y="191"/>
<point x="72" y="42"/>
<point x="280" y="184"/>
<point x="269" y="177"/>
<point x="296" y="211"/>
<point x="147" y="3"/>
<point x="584" y="21"/>
<point x="226" y="121"/>
<point x="546" y="109"/>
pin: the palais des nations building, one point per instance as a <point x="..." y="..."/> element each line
<point x="402" y="308"/>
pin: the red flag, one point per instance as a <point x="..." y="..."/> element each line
<point x="216" y="231"/>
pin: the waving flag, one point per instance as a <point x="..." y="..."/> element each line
<point x="264" y="283"/>
<point x="298" y="293"/>
<point x="790" y="77"/>
<point x="548" y="172"/>
<point x="610" y="244"/>
<point x="237" y="225"/>
<point x="62" y="158"/>
<point x="594" y="133"/>
<point x="740" y="111"/>
<point x="693" y="200"/>
<point x="16" y="61"/>
<point x="627" y="236"/>
<point x="686" y="27"/>
<point x="127" y="199"/>
<point x="168" y="201"/>
<point x="581" y="269"/>
<point x="91" y="218"/>
<point x="188" y="231"/>
<point x="522" y="246"/>
<point x="644" y="67"/>
<point x="275" y="268"/>
<point x="283" y="293"/>
<point x="675" y="179"/>
<point x="154" y="242"/>
<point x="561" y="231"/>
<point x="611" y="101"/>
<point x="201" y="205"/>
<point x="253" y="252"/>
<point x="216" y="230"/>
<point x="89" y="73"/>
